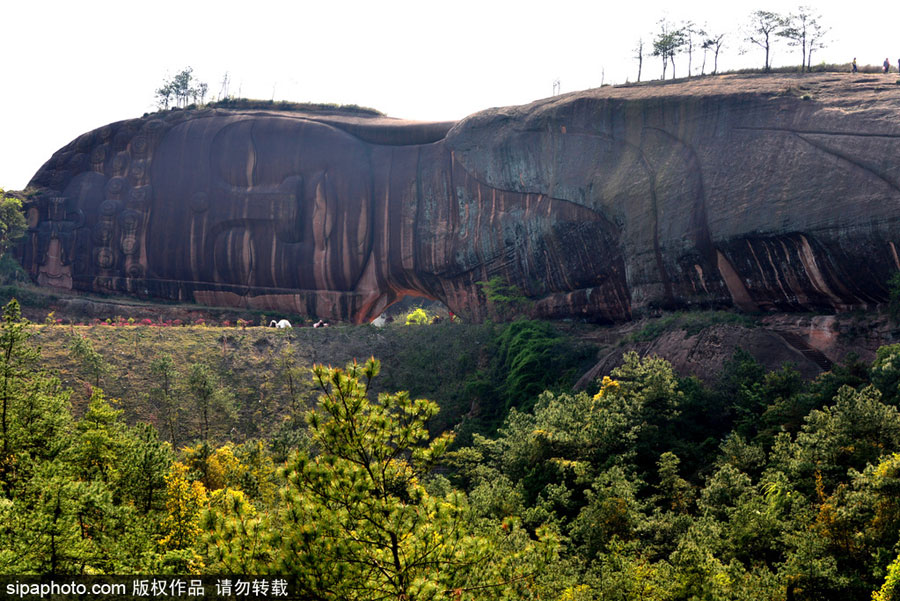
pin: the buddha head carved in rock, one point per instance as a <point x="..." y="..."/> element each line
<point x="296" y="213"/>
<point x="272" y="202"/>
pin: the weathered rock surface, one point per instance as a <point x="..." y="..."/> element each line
<point x="696" y="345"/>
<point x="760" y="192"/>
<point x="703" y="354"/>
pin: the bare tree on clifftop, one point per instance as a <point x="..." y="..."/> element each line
<point x="713" y="42"/>
<point x="803" y="29"/>
<point x="762" y="29"/>
<point x="816" y="36"/>
<point x="639" y="50"/>
<point x="691" y="33"/>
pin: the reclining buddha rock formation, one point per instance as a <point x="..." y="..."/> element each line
<point x="765" y="193"/>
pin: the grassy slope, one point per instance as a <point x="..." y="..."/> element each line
<point x="436" y="361"/>
<point x="254" y="362"/>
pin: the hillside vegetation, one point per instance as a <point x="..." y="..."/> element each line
<point x="265" y="371"/>
<point x="225" y="453"/>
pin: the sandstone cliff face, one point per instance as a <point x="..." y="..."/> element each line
<point x="765" y="193"/>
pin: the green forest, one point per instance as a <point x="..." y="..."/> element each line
<point x="646" y="486"/>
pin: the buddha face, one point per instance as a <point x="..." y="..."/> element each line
<point x="287" y="212"/>
<point x="267" y="203"/>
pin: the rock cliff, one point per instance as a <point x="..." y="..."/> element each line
<point x="777" y="192"/>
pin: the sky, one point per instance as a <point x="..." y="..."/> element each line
<point x="68" y="67"/>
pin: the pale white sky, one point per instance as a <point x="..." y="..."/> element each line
<point x="67" y="66"/>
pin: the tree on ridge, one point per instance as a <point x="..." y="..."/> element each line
<point x="761" y="29"/>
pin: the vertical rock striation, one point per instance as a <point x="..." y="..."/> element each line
<point x="730" y="191"/>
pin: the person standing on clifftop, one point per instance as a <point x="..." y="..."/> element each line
<point x="855" y="68"/>
<point x="887" y="65"/>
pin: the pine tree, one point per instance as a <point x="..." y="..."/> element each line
<point x="146" y="462"/>
<point x="34" y="415"/>
<point x="209" y="396"/>
<point x="357" y="521"/>
<point x="92" y="362"/>
<point x="99" y="441"/>
<point x="163" y="382"/>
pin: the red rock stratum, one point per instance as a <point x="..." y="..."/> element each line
<point x="776" y="192"/>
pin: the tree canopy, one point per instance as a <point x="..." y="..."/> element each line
<point x="646" y="486"/>
<point x="181" y="90"/>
